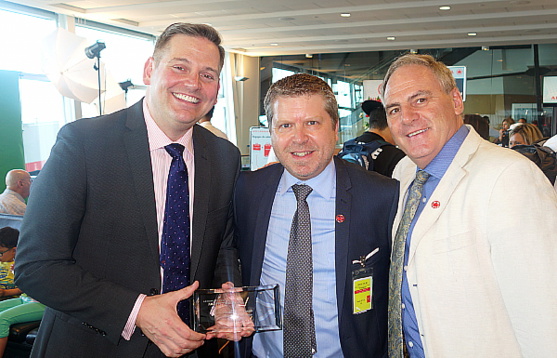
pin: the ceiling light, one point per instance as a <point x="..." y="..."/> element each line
<point x="345" y="14"/>
<point x="485" y="48"/>
<point x="472" y="34"/>
<point x="444" y="7"/>
<point x="413" y="51"/>
<point x="309" y="55"/>
<point x="274" y="44"/>
<point x="391" y="38"/>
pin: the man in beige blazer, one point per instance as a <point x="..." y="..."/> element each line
<point x="478" y="259"/>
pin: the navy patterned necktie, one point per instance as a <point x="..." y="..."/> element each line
<point x="175" y="243"/>
<point x="299" y="325"/>
<point x="396" y="342"/>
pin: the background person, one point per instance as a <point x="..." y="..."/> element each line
<point x="101" y="237"/>
<point x="12" y="200"/>
<point x="350" y="213"/>
<point x="503" y="138"/>
<point x="14" y="310"/>
<point x="386" y="157"/>
<point x="480" y="124"/>
<point x="524" y="134"/>
<point x="205" y="122"/>
<point x="465" y="281"/>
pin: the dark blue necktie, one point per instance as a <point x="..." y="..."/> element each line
<point x="175" y="243"/>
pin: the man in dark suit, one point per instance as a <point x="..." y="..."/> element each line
<point x="351" y="211"/>
<point x="91" y="239"/>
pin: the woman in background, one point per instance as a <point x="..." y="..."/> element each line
<point x="524" y="134"/>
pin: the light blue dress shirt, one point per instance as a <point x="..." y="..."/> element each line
<point x="436" y="169"/>
<point x="321" y="203"/>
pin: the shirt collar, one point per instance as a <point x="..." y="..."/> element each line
<point x="444" y="158"/>
<point x="324" y="184"/>
<point x="157" y="138"/>
<point x="14" y="193"/>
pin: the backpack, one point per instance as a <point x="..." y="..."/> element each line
<point x="362" y="153"/>
<point x="544" y="157"/>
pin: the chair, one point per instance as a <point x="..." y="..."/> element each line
<point x="11" y="220"/>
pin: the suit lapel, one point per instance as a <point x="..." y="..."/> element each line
<point x="445" y="189"/>
<point x="265" y="200"/>
<point x="201" y="197"/>
<point x="342" y="231"/>
<point x="136" y="146"/>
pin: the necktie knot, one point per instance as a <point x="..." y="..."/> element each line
<point x="301" y="191"/>
<point x="175" y="149"/>
<point x="421" y="177"/>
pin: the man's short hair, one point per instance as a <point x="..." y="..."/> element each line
<point x="441" y="72"/>
<point x="301" y="84"/>
<point x="376" y="113"/>
<point x="194" y="30"/>
<point x="8" y="237"/>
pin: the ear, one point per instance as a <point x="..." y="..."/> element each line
<point x="457" y="101"/>
<point x="148" y="70"/>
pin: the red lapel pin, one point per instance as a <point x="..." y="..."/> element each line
<point x="435" y="205"/>
<point x="340" y="218"/>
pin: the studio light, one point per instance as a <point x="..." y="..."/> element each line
<point x="125" y="85"/>
<point x="95" y="50"/>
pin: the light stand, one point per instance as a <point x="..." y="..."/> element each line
<point x="92" y="52"/>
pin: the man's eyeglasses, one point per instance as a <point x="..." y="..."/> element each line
<point x="3" y="252"/>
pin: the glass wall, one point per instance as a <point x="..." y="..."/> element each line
<point x="36" y="51"/>
<point x="501" y="82"/>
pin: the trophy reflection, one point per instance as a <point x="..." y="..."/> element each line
<point x="237" y="309"/>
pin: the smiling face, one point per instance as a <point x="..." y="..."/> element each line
<point x="421" y="115"/>
<point x="303" y="134"/>
<point x="183" y="83"/>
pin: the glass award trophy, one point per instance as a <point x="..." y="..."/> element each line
<point x="233" y="310"/>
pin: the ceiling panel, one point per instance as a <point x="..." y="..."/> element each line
<point x="302" y="26"/>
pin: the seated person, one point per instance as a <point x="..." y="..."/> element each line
<point x="14" y="310"/>
<point x="12" y="200"/>
<point x="8" y="242"/>
<point x="524" y="134"/>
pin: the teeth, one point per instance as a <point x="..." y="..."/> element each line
<point x="300" y="154"/>
<point x="186" y="98"/>
<point x="417" y="132"/>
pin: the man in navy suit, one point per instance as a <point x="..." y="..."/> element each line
<point x="351" y="213"/>
<point x="90" y="245"/>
